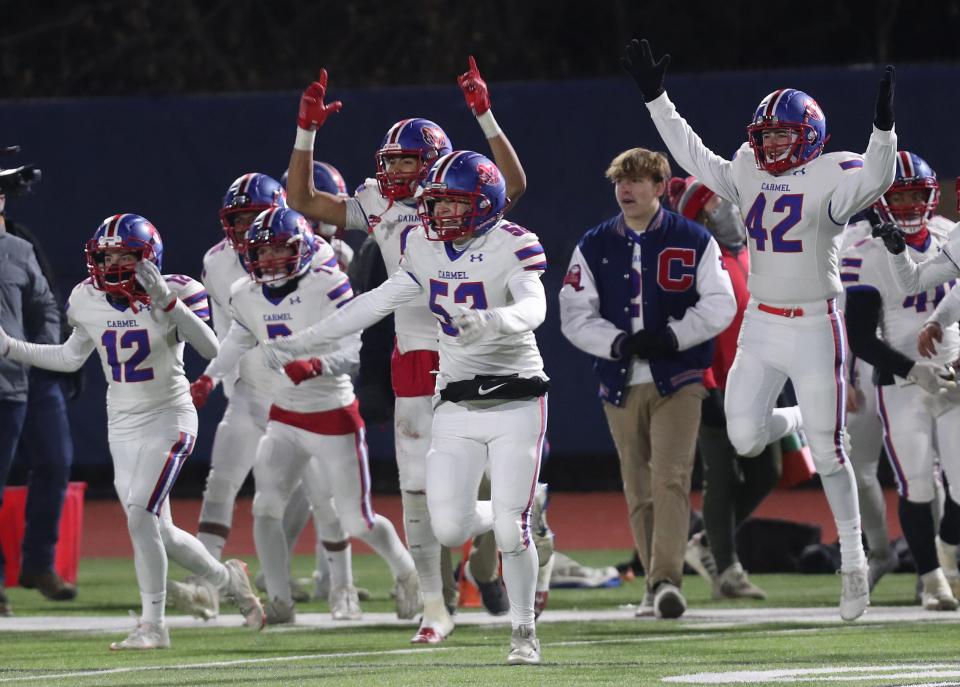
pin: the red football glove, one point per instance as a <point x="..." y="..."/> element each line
<point x="302" y="370"/>
<point x="200" y="390"/>
<point x="313" y="113"/>
<point x="474" y="89"/>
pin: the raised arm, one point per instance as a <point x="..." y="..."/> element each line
<point x="682" y="142"/>
<point x="477" y="95"/>
<point x="301" y="193"/>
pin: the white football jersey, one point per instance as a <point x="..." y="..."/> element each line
<point x="391" y="225"/>
<point x="319" y="293"/>
<point x="141" y="355"/>
<point x="222" y="268"/>
<point x="795" y="220"/>
<point x="865" y="265"/>
<point x="477" y="277"/>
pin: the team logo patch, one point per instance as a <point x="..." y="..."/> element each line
<point x="813" y="110"/>
<point x="488" y="174"/>
<point x="572" y="278"/>
<point x="434" y="137"/>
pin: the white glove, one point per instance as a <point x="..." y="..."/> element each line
<point x="472" y="324"/>
<point x="148" y="274"/>
<point x="4" y="343"/>
<point x="935" y="378"/>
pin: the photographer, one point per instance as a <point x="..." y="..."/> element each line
<point x="32" y="410"/>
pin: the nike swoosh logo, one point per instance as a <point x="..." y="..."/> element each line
<point x="483" y="392"/>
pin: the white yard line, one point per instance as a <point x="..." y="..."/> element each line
<point x="868" y="674"/>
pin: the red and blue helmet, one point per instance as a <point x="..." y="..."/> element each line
<point x="418" y="138"/>
<point x="463" y="177"/>
<point x="278" y="227"/>
<point x="251" y="192"/>
<point x="328" y="179"/>
<point x="119" y="235"/>
<point x="895" y="205"/>
<point x="797" y="112"/>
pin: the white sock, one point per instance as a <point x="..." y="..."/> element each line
<point x="544" y="573"/>
<point x="950" y="567"/>
<point x="520" y="577"/>
<point x="340" y="566"/>
<point x="187" y="550"/>
<point x="383" y="539"/>
<point x="153" y="607"/>
<point x="295" y="516"/>
<point x="274" y="556"/>
<point x="873" y="514"/>
<point x="841" y="491"/>
<point x="424" y="547"/>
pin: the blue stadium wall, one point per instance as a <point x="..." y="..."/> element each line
<point x="171" y="158"/>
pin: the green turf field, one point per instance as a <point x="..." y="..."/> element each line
<point x="709" y="646"/>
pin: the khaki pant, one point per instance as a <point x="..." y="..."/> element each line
<point x="655" y="438"/>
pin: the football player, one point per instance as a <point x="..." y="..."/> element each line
<point x="795" y="202"/>
<point x="316" y="415"/>
<point x="915" y="418"/>
<point x="137" y="320"/>
<point x="250" y="389"/>
<point x="385" y="207"/>
<point x="481" y="277"/>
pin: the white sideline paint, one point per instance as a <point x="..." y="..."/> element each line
<point x="827" y="674"/>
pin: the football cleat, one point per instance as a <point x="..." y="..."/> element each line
<point x="198" y="600"/>
<point x="936" y="594"/>
<point x="646" y="609"/>
<point x="280" y="612"/>
<point x="947" y="558"/>
<point x="344" y="604"/>
<point x="241" y="593"/>
<point x="733" y="583"/>
<point x="406" y="591"/>
<point x="524" y="646"/>
<point x="144" y="636"/>
<point x="854" y="593"/>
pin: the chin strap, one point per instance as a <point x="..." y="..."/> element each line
<point x="917" y="239"/>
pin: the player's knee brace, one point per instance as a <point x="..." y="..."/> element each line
<point x="747" y="436"/>
<point x="416" y="520"/>
<point x="511" y="538"/>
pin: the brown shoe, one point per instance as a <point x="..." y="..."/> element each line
<point x="5" y="610"/>
<point x="50" y="584"/>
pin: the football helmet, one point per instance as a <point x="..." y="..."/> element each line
<point x="796" y="112"/>
<point x="251" y="192"/>
<point x="418" y="138"/>
<point x="461" y="177"/>
<point x="119" y="235"/>
<point x="328" y="179"/>
<point x="913" y="174"/>
<point x="278" y="227"/>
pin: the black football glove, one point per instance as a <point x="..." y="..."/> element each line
<point x="647" y="345"/>
<point x="891" y="236"/>
<point x="638" y="62"/>
<point x="883" y="119"/>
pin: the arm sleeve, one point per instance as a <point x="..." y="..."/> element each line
<point x="863" y="317"/>
<point x="857" y="190"/>
<point x="716" y="307"/>
<point x="238" y="341"/>
<point x="529" y="307"/>
<point x="913" y="278"/>
<point x="40" y="312"/>
<point x="690" y="152"/>
<point x="66" y="357"/>
<point x="363" y="311"/>
<point x="580" y="319"/>
<point x="948" y="311"/>
<point x="193" y="330"/>
<point x="343" y="360"/>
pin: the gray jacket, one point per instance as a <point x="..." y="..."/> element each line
<point x="28" y="310"/>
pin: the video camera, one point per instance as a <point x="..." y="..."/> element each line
<point x="17" y="181"/>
